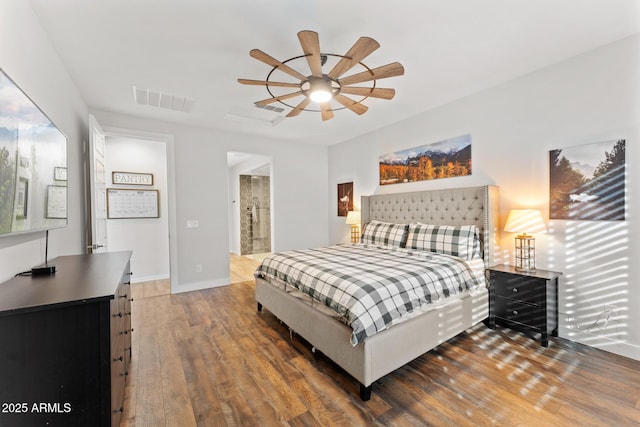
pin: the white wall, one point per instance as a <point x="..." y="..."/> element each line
<point x="148" y="238"/>
<point x="591" y="98"/>
<point x="29" y="59"/>
<point x="299" y="204"/>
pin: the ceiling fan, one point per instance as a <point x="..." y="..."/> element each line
<point x="322" y="87"/>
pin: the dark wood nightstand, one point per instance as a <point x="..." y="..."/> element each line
<point x="525" y="301"/>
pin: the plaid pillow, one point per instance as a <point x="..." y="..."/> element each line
<point x="385" y="233"/>
<point x="462" y="241"/>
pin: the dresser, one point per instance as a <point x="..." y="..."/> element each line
<point x="524" y="301"/>
<point x="65" y="343"/>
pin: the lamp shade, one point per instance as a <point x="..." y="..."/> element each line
<point x="353" y="217"/>
<point x="525" y="221"/>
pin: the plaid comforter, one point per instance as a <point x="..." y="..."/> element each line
<point x="371" y="287"/>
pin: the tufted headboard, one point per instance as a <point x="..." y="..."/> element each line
<point x="458" y="206"/>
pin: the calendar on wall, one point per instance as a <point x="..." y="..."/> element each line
<point x="125" y="203"/>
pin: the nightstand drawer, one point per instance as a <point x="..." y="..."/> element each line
<point x="521" y="288"/>
<point x="517" y="311"/>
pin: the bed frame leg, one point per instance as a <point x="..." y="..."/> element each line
<point x="259" y="307"/>
<point x="365" y="392"/>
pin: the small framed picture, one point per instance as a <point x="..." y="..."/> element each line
<point x="22" y="199"/>
<point x="56" y="201"/>
<point x="345" y="198"/>
<point x="60" y="174"/>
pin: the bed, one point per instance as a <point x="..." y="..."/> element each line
<point x="368" y="357"/>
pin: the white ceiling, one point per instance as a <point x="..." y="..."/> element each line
<point x="198" y="48"/>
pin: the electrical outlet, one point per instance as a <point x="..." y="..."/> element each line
<point x="198" y="268"/>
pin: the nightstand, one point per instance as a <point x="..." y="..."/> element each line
<point x="524" y="301"/>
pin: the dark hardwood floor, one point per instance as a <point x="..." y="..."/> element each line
<point x="208" y="358"/>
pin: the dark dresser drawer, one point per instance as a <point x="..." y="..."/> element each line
<point x="520" y="288"/>
<point x="521" y="312"/>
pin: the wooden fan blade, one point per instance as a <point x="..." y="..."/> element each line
<point x="362" y="48"/>
<point x="266" y="83"/>
<point x="389" y="70"/>
<point x="269" y="60"/>
<point x="311" y="48"/>
<point x="278" y="98"/>
<point x="299" y="108"/>
<point x="325" y="109"/>
<point x="352" y="105"/>
<point x="377" y="92"/>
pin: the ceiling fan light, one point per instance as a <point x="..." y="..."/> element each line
<point x="320" y="95"/>
<point x="320" y="90"/>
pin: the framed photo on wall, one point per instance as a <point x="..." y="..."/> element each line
<point x="587" y="182"/>
<point x="345" y="198"/>
<point x="443" y="159"/>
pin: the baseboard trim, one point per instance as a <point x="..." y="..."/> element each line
<point x="618" y="347"/>
<point x="149" y="278"/>
<point x="197" y="286"/>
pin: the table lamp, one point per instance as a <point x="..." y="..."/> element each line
<point x="353" y="219"/>
<point x="523" y="221"/>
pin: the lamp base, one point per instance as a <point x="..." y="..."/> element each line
<point x="355" y="233"/>
<point x="525" y="255"/>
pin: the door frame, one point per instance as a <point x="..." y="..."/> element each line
<point x="171" y="190"/>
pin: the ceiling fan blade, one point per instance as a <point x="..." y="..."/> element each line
<point x="374" y="92"/>
<point x="298" y="109"/>
<point x="352" y="105"/>
<point x="278" y="98"/>
<point x="311" y="48"/>
<point x="362" y="48"/>
<point x="325" y="109"/>
<point x="269" y="60"/>
<point x="389" y="70"/>
<point x="266" y="83"/>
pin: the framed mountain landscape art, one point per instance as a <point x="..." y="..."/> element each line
<point x="444" y="159"/>
<point x="587" y="182"/>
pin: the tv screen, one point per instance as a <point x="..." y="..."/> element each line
<point x="33" y="165"/>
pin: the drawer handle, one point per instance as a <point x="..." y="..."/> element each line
<point x="515" y="290"/>
<point x="123" y="296"/>
<point x="128" y="314"/>
<point x="120" y="409"/>
<point x="127" y="331"/>
<point x="127" y="283"/>
<point x="118" y="359"/>
<point x="130" y="299"/>
<point x="515" y="312"/>
<point x="118" y="315"/>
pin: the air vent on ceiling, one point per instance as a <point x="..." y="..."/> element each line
<point x="161" y="100"/>
<point x="266" y="116"/>
<point x="270" y="108"/>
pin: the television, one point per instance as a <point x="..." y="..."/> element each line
<point x="33" y="165"/>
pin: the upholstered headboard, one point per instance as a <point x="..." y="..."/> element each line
<point x="459" y="206"/>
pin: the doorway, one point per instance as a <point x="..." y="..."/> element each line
<point x="133" y="154"/>
<point x="255" y="213"/>
<point x="146" y="234"/>
<point x="250" y="206"/>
